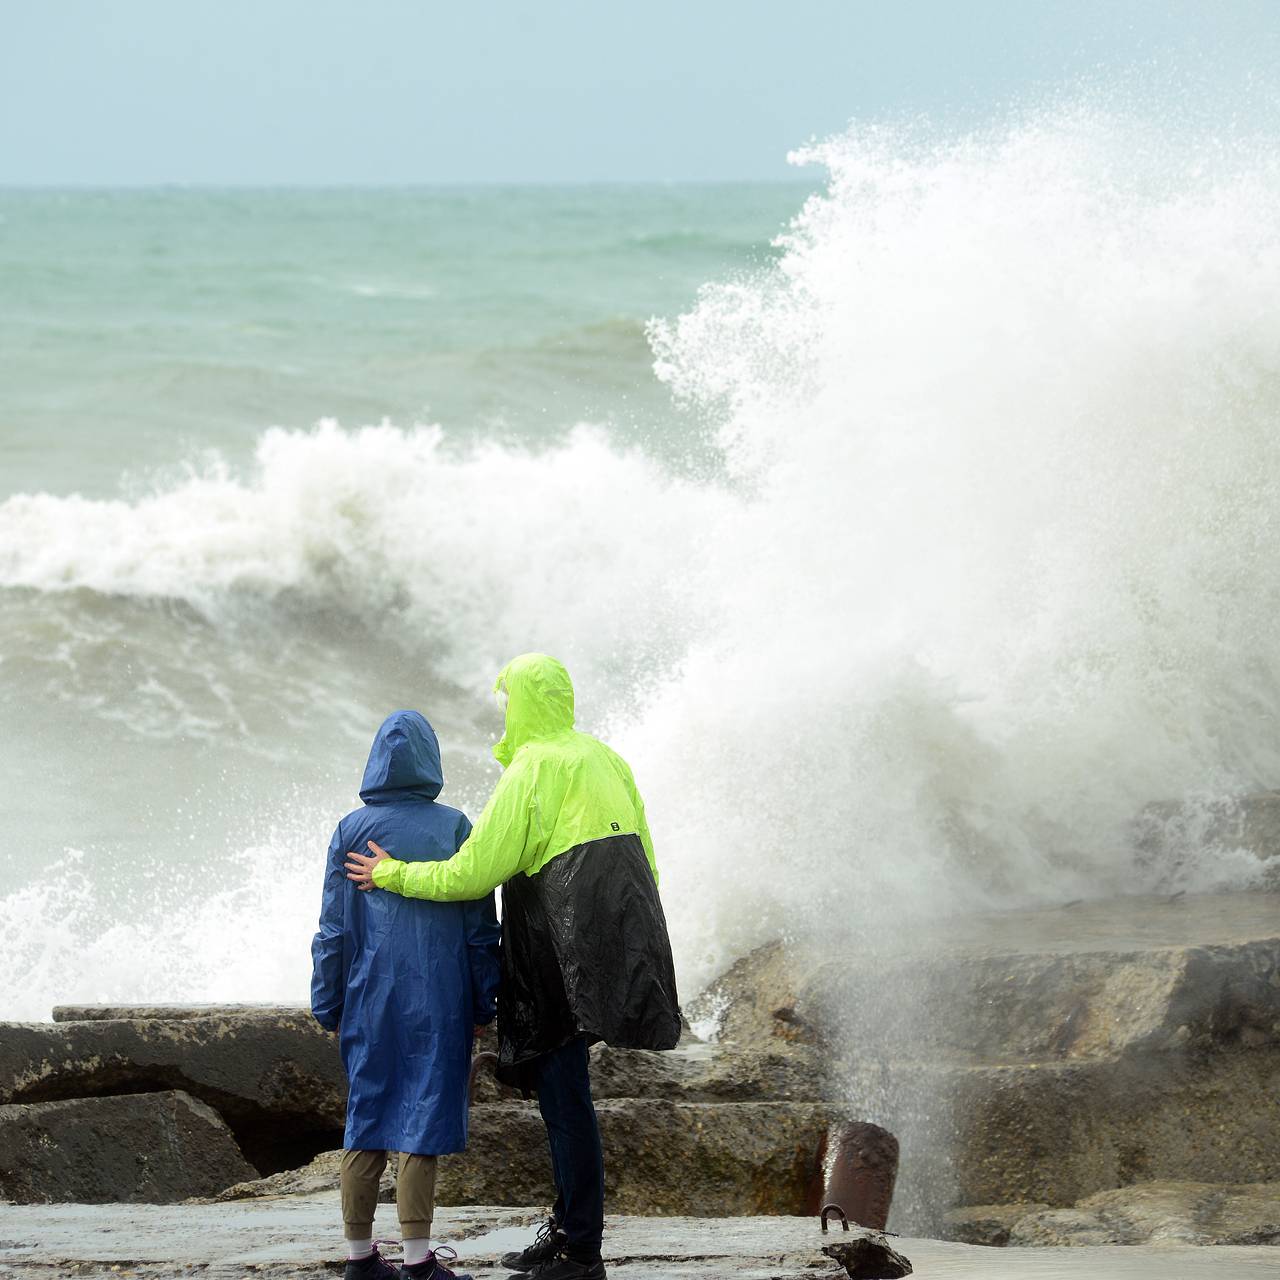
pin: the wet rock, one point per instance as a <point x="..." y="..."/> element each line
<point x="1090" y="979"/>
<point x="663" y="1153"/>
<point x="660" y="1157"/>
<point x="322" y="1174"/>
<point x="155" y="1148"/>
<point x="1055" y="1133"/>
<point x="867" y="1255"/>
<point x="167" y="1012"/>
<point x="1129" y="976"/>
<point x="986" y="1224"/>
<point x="694" y="1072"/>
<point x="1056" y="1227"/>
<point x="1160" y="1213"/>
<point x="754" y="1001"/>
<point x="273" y="1075"/>
<point x="774" y="1072"/>
<point x="276" y="1078"/>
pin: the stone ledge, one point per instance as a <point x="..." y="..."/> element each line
<point x="1055" y="1133"/>
<point x="171" y="1012"/>
<point x="275" y="1078"/>
<point x="1088" y="980"/>
<point x="149" y="1147"/>
<point x="1189" y="1213"/>
<point x="727" y="1158"/>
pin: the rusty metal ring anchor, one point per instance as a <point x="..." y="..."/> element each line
<point x="827" y="1210"/>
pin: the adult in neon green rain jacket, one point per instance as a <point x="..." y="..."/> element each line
<point x="585" y="948"/>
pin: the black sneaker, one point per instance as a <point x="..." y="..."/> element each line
<point x="563" y="1267"/>
<point x="546" y="1244"/>
<point x="434" y="1268"/>
<point x="372" y="1267"/>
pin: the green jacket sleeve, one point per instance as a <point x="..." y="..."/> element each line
<point x="500" y="846"/>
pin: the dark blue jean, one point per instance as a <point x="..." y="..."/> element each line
<point x="577" y="1161"/>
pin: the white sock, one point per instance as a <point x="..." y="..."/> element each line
<point x="357" y="1249"/>
<point x="416" y="1251"/>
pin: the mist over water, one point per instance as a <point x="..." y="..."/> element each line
<point x="986" y="558"/>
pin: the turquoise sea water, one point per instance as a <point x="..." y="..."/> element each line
<point x="140" y="328"/>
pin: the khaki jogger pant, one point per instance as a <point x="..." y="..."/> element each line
<point x="415" y="1193"/>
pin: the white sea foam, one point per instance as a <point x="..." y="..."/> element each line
<point x="474" y="554"/>
<point x="993" y="562"/>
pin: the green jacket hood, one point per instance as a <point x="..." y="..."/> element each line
<point x="539" y="702"/>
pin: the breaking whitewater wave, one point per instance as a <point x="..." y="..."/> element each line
<point x="991" y="562"/>
<point x="472" y="554"/>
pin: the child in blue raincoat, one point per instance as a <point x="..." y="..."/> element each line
<point x="405" y="982"/>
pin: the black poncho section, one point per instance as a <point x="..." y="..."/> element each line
<point x="585" y="951"/>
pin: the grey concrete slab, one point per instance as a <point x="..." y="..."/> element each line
<point x="300" y="1236"/>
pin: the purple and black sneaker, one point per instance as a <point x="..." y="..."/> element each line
<point x="371" y="1267"/>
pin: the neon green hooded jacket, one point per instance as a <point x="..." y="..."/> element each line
<point x="585" y="950"/>
<point x="561" y="788"/>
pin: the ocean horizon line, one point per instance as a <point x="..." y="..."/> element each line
<point x="592" y="184"/>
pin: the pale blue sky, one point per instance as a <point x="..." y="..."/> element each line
<point x="122" y="92"/>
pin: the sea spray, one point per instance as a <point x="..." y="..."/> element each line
<point x="1009" y="412"/>
<point x="147" y="936"/>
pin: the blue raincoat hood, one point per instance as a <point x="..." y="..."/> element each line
<point x="404" y="761"/>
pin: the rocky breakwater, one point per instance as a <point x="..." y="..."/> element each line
<point x="703" y="1129"/>
<point x="236" y="1102"/>
<point x="157" y="1104"/>
<point x="1164" y="1213"/>
<point x="1032" y="1060"/>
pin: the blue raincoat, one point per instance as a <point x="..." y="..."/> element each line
<point x="407" y="980"/>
